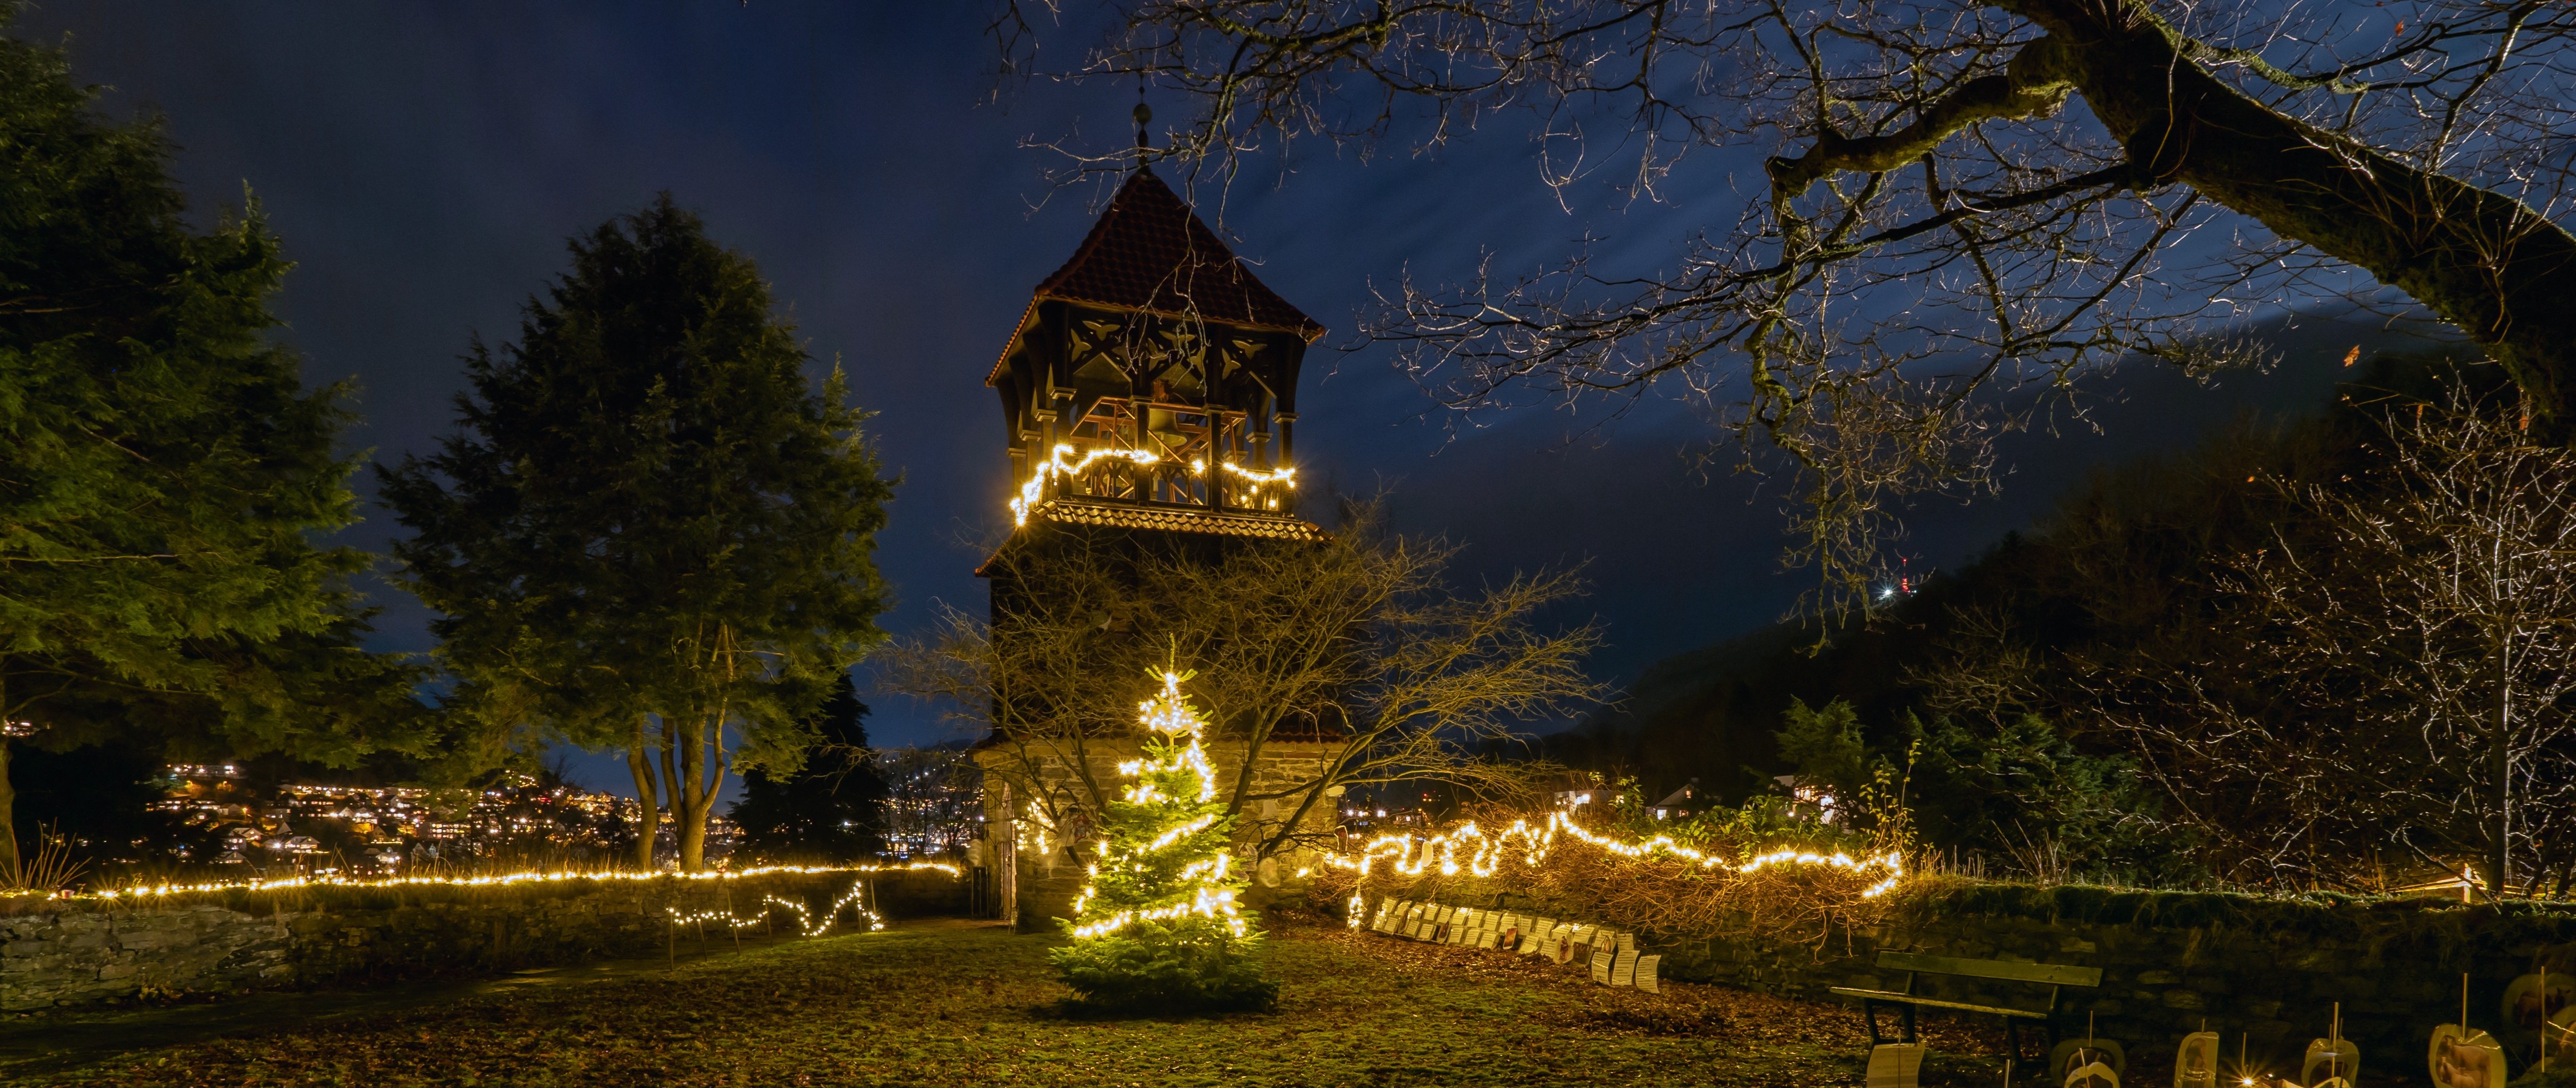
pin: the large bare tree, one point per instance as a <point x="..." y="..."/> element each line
<point x="1357" y="641"/>
<point x="2433" y="620"/>
<point x="2331" y="651"/>
<point x="1946" y="201"/>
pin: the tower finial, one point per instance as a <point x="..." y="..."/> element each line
<point x="1144" y="116"/>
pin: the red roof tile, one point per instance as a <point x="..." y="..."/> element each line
<point x="1170" y="519"/>
<point x="1177" y="519"/>
<point x="1150" y="252"/>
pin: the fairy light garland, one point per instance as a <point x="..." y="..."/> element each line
<point x="1034" y="831"/>
<point x="1168" y="713"/>
<point x="1055" y="466"/>
<point x="1484" y="853"/>
<point x="1060" y="462"/>
<point x="492" y="880"/>
<point x="805" y="918"/>
<point x="1284" y="475"/>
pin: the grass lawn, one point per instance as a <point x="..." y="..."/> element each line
<point x="952" y="1005"/>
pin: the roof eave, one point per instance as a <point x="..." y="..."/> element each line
<point x="1028" y="317"/>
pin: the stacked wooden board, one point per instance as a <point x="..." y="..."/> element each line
<point x="1611" y="954"/>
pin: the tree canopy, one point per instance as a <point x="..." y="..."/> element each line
<point x="165" y="473"/>
<point x="651" y="531"/>
<point x="831" y="809"/>
<point x="1943" y="203"/>
<point x="1358" y="642"/>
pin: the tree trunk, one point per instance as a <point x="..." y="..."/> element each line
<point x="2501" y="862"/>
<point x="2482" y="260"/>
<point x="692" y="782"/>
<point x="9" y="863"/>
<point x="692" y="831"/>
<point x="648" y="820"/>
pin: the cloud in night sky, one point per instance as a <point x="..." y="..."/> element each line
<point x="424" y="163"/>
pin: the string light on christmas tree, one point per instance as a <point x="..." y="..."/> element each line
<point x="1157" y="924"/>
<point x="1181" y="763"/>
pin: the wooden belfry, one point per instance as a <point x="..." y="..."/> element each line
<point x="1152" y="382"/>
<point x="1149" y="395"/>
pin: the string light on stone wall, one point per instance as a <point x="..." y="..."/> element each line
<point x="490" y="880"/>
<point x="1036" y="831"/>
<point x="1411" y="856"/>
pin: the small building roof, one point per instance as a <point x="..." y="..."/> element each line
<point x="1177" y="519"/>
<point x="1170" y="519"/>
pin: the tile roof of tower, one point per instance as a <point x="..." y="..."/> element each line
<point x="1177" y="519"/>
<point x="1169" y="519"/>
<point x="1150" y="252"/>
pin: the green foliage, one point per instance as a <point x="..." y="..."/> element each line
<point x="1823" y="747"/>
<point x="1163" y="890"/>
<point x="2020" y="790"/>
<point x="1187" y="964"/>
<point x="1763" y="822"/>
<point x="2013" y="790"/>
<point x="651" y="531"/>
<point x="833" y="808"/>
<point x="162" y="470"/>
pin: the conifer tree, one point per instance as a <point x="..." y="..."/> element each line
<point x="833" y="809"/>
<point x="651" y="531"/>
<point x="1158" y="925"/>
<point x="164" y="473"/>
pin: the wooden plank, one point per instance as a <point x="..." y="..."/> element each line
<point x="2045" y="974"/>
<point x="1895" y="998"/>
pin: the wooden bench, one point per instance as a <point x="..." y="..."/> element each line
<point x="1915" y="965"/>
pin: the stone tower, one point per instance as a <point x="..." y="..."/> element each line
<point x="1149" y="399"/>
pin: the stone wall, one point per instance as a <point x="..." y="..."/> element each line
<point x="73" y="952"/>
<point x="2269" y="969"/>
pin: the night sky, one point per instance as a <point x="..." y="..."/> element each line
<point x="424" y="163"/>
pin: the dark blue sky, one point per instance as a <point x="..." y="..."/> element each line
<point x="424" y="162"/>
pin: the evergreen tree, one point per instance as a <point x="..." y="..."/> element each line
<point x="162" y="469"/>
<point x="832" y="809"/>
<point x="651" y="531"/>
<point x="1158" y="925"/>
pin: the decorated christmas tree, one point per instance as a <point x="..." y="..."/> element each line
<point x="1157" y="926"/>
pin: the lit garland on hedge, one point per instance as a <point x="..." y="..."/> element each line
<point x="1179" y="777"/>
<point x="491" y="880"/>
<point x="1485" y="853"/>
